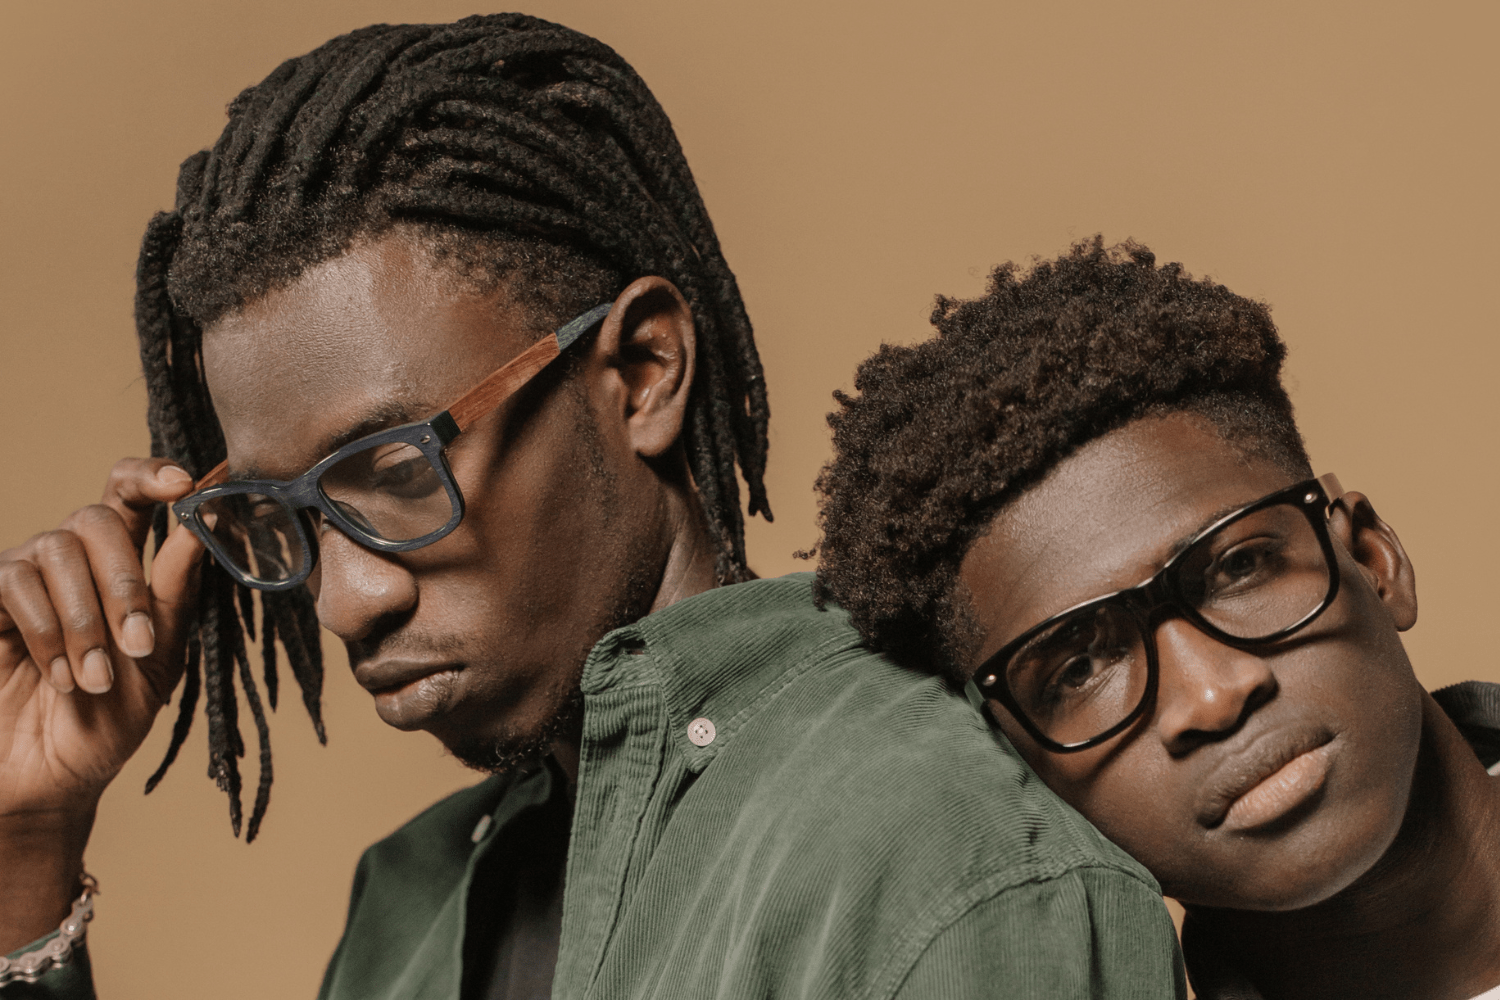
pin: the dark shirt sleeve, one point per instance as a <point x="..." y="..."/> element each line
<point x="361" y="874"/>
<point x="74" y="981"/>
<point x="1092" y="933"/>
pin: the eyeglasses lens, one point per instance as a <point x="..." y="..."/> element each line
<point x="256" y="533"/>
<point x="1081" y="676"/>
<point x="1253" y="578"/>
<point x="391" y="491"/>
<point x="1258" y="575"/>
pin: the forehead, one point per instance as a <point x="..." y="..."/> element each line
<point x="1107" y="517"/>
<point x="380" y="329"/>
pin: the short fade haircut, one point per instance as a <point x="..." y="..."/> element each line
<point x="943" y="434"/>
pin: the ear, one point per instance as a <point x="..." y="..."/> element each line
<point x="1379" y="554"/>
<point x="648" y="341"/>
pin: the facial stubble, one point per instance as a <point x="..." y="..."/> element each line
<point x="516" y="748"/>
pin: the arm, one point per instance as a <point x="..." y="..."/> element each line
<point x="1092" y="933"/>
<point x="89" y="653"/>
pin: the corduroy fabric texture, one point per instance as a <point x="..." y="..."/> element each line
<point x="1474" y="707"/>
<point x="853" y="830"/>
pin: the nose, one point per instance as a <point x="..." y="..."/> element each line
<point x="355" y="588"/>
<point x="1205" y="688"/>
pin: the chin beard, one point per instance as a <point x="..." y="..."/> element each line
<point x="512" y="751"/>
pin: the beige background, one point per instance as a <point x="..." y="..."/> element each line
<point x="1337" y="160"/>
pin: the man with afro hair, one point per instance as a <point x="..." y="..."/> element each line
<point x="1088" y="498"/>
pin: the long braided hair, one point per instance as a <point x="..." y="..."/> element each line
<point x="502" y="127"/>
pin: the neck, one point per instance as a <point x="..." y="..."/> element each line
<point x="688" y="568"/>
<point x="1423" y="922"/>
<point x="691" y="555"/>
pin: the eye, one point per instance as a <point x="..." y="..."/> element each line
<point x="396" y="469"/>
<point x="394" y="472"/>
<point x="1247" y="564"/>
<point x="1086" y="652"/>
<point x="1076" y="672"/>
<point x="409" y="478"/>
<point x="1242" y="562"/>
<point x="265" y="510"/>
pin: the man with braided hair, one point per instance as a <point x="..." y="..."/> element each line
<point x="1088" y="493"/>
<point x="443" y="355"/>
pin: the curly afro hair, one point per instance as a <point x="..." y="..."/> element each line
<point x="943" y="434"/>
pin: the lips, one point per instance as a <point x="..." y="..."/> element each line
<point x="1267" y="780"/>
<point x="390" y="675"/>
<point x="411" y="695"/>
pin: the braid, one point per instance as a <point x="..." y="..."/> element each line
<point x="535" y="147"/>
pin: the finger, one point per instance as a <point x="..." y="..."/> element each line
<point x="137" y="485"/>
<point x="65" y="569"/>
<point x="119" y="578"/>
<point x="30" y="607"/>
<point x="13" y="657"/>
<point x="7" y="623"/>
<point x="174" y="598"/>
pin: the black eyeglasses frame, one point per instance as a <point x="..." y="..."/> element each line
<point x="1145" y="602"/>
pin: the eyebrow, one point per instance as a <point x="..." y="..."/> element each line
<point x="1203" y="525"/>
<point x="382" y="417"/>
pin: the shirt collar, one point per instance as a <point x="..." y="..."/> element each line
<point x="719" y="656"/>
<point x="1474" y="707"/>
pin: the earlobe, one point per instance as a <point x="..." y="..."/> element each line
<point x="649" y="342"/>
<point x="1380" y="555"/>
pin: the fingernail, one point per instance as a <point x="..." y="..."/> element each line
<point x="171" y="475"/>
<point x="137" y="636"/>
<point x="98" y="672"/>
<point x="62" y="674"/>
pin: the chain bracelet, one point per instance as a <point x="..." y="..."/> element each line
<point x="30" y="966"/>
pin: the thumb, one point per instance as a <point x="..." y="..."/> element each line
<point x="137" y="485"/>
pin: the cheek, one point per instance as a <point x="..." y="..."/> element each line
<point x="1130" y="795"/>
<point x="531" y="555"/>
<point x="531" y="513"/>
<point x="1362" y="683"/>
<point x="1137" y="806"/>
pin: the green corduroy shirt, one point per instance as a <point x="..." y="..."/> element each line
<point x="852" y="829"/>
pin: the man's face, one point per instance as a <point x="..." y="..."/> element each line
<point x="1225" y="721"/>
<point x="478" y="638"/>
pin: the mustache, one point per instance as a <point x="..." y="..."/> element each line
<point x="404" y="644"/>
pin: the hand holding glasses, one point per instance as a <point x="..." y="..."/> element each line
<point x="391" y="491"/>
<point x="1252" y="578"/>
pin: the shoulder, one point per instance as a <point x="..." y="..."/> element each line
<point x="822" y="729"/>
<point x="865" y="763"/>
<point x="1090" y="932"/>
<point x="877" y="797"/>
<point x="904" y="748"/>
<point x="774" y="621"/>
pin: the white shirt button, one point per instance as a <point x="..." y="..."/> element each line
<point x="701" y="732"/>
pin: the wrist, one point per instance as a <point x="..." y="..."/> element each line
<point x="41" y="858"/>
